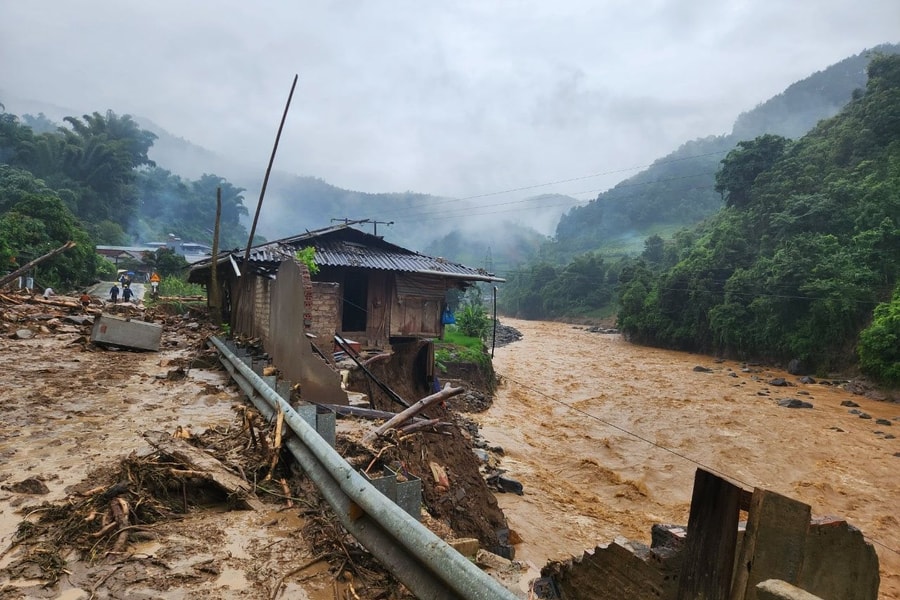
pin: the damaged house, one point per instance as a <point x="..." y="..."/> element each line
<point x="364" y="289"/>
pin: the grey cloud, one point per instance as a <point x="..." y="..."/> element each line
<point x="457" y="100"/>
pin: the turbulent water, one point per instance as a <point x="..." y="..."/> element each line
<point x="606" y="436"/>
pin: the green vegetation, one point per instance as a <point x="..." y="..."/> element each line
<point x="879" y="344"/>
<point x="307" y="256"/>
<point x="91" y="181"/>
<point x="576" y="274"/>
<point x="472" y="321"/>
<point x="585" y="287"/>
<point x="801" y="255"/>
<point x="176" y="286"/>
<point x="459" y="347"/>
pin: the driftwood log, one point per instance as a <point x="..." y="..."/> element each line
<point x="198" y="461"/>
<point x="409" y="413"/>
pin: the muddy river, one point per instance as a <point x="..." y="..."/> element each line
<point x="606" y="437"/>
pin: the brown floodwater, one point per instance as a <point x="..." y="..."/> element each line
<point x="605" y="436"/>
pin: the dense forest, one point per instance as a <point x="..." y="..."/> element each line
<point x="91" y="181"/>
<point x="802" y="263"/>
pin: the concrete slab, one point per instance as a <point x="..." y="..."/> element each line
<point x="126" y="333"/>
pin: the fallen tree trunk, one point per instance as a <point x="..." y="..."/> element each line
<point x="358" y="411"/>
<point x="24" y="268"/>
<point x="421" y="424"/>
<point x="409" y="413"/>
<point x="198" y="461"/>
<point x="59" y="303"/>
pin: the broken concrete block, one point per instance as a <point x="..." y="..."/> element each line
<point x="466" y="546"/>
<point x="489" y="560"/>
<point x="126" y="333"/>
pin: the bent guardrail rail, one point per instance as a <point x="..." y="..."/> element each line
<point x="422" y="561"/>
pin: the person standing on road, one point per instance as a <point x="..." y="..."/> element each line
<point x="127" y="294"/>
<point x="154" y="284"/>
<point x="114" y="293"/>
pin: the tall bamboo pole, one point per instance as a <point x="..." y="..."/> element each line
<point x="262" y="192"/>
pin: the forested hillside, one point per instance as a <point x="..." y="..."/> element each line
<point x="805" y="251"/>
<point x="678" y="189"/>
<point x="90" y="180"/>
<point x="633" y="218"/>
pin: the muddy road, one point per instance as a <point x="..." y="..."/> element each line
<point x="67" y="409"/>
<point x="606" y="436"/>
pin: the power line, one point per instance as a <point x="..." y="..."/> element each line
<point x="570" y="180"/>
<point x="468" y="211"/>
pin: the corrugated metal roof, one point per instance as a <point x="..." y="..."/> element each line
<point x="343" y="246"/>
<point x="333" y="252"/>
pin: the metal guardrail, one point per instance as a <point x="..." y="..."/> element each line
<point x="422" y="561"/>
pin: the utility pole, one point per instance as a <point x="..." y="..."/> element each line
<point x="346" y="221"/>
<point x="375" y="223"/>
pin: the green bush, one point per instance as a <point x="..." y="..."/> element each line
<point x="307" y="256"/>
<point x="472" y="321"/>
<point x="175" y="286"/>
<point x="879" y="344"/>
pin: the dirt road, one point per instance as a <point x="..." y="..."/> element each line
<point x="570" y="396"/>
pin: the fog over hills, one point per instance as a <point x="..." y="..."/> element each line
<point x="495" y="223"/>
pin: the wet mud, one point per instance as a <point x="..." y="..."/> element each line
<point x="68" y="409"/>
<point x="605" y="436"/>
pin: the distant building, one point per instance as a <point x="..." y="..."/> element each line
<point x="134" y="255"/>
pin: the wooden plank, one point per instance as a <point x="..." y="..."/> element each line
<point x="774" y="543"/>
<point x="197" y="460"/>
<point x="711" y="539"/>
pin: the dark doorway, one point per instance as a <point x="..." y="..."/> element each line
<point x="356" y="294"/>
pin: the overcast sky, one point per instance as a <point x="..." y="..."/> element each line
<point x="450" y="98"/>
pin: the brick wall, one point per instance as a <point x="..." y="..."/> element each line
<point x="325" y="310"/>
<point x="261" y="306"/>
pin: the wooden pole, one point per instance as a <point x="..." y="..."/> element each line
<point x="262" y="192"/>
<point x="447" y="392"/>
<point x="6" y="279"/>
<point x="494" y="334"/>
<point x="215" y="302"/>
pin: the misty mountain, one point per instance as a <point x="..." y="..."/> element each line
<point x="495" y="253"/>
<point x="294" y="203"/>
<point x="678" y="189"/>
